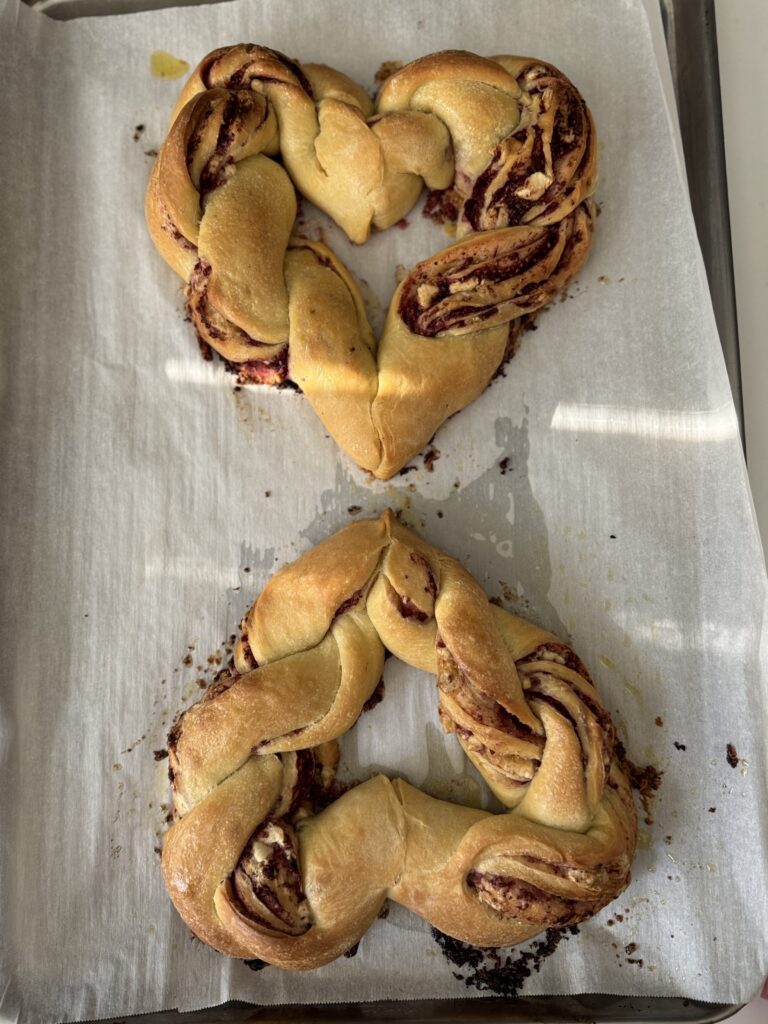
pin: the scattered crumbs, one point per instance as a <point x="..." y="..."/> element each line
<point x="439" y="513"/>
<point x="354" y="510"/>
<point x="660" y="721"/>
<point x="160" y="755"/>
<point x="86" y="615"/>
<point x="711" y="810"/>
<point x="630" y="948"/>
<point x="620" y="280"/>
<point x="402" y="224"/>
<point x="680" y="746"/>
<point x="610" y="922"/>
<point x="619" y="917"/>
<point x="667" y="840"/>
<point x="406" y="469"/>
<point x="247" y="568"/>
<point x="255" y="965"/>
<point x="646" y="780"/>
<point x="612" y="536"/>
<point x="352" y="951"/>
<point x="456" y="484"/>
<point x="387" y="68"/>
<point x="489" y="970"/>
<point x="598" y="209"/>
<point x="731" y="756"/>
<point x="411" y="488"/>
<point x="138" y="131"/>
<point x="158" y="850"/>
<point x="164" y="65"/>
<point x="604" y="279"/>
<point x="187" y="659"/>
<point x="267" y="494"/>
<point x="116" y="767"/>
<point x="431" y="456"/>
<point x="497" y="601"/>
<point x="237" y="387"/>
<point x="150" y="152"/>
<point x="115" y="852"/>
<point x="504" y="466"/>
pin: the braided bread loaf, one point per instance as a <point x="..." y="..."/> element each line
<point x="257" y="868"/>
<point x="509" y="139"/>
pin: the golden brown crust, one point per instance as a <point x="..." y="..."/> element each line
<point x="258" y="869"/>
<point x="510" y="138"/>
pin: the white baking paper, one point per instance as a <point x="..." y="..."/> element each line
<point x="145" y="502"/>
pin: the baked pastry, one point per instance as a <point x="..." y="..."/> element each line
<point x="257" y="869"/>
<point x="507" y="141"/>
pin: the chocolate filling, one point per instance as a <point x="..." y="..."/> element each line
<point x="266" y="882"/>
<point x="349" y="603"/>
<point x="513" y="897"/>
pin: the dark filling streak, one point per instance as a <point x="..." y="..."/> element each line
<point x="409" y="610"/>
<point x="246" y="74"/>
<point x="212" y="175"/>
<point x="349" y="603"/>
<point x="553" y="702"/>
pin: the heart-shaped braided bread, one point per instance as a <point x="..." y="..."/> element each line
<point x="257" y="868"/>
<point x="508" y="140"/>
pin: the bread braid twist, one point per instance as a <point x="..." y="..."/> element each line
<point x="256" y="871"/>
<point x="508" y="140"/>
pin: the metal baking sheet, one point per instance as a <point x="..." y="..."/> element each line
<point x="689" y="26"/>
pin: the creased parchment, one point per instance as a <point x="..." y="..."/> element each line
<point x="598" y="487"/>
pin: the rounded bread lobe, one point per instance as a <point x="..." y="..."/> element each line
<point x="262" y="861"/>
<point x="506" y="143"/>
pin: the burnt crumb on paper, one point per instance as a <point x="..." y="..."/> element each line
<point x="354" y="510"/>
<point x="504" y="465"/>
<point x="406" y="469"/>
<point x="160" y="755"/>
<point x="150" y="152"/>
<point x="646" y="780"/>
<point x="659" y="720"/>
<point x="731" y="756"/>
<point x="711" y="810"/>
<point x="138" y="131"/>
<point x="431" y="456"/>
<point x="255" y="965"/>
<point x="352" y="951"/>
<point x="376" y="697"/>
<point x="491" y="970"/>
<point x="680" y="746"/>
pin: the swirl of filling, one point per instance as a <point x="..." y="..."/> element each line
<point x="266" y="883"/>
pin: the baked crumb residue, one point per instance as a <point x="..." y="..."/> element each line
<point x="497" y="970"/>
<point x="646" y="780"/>
<point x="386" y="70"/>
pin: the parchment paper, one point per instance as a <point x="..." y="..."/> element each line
<point x="145" y="502"/>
